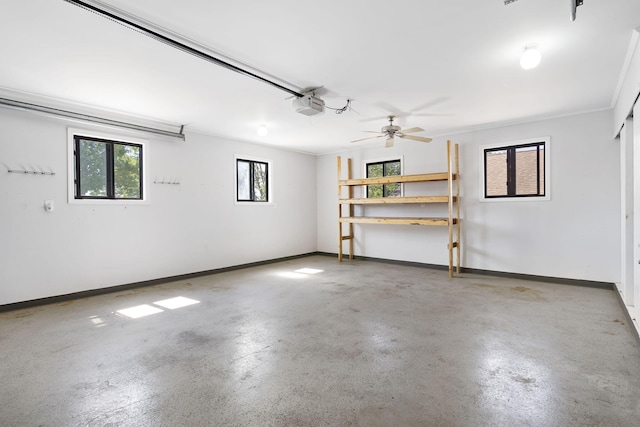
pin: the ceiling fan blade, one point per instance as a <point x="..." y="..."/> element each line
<point x="429" y="104"/>
<point x="373" y="119"/>
<point x="392" y="109"/>
<point x="389" y="142"/>
<point x="370" y="137"/>
<point x="412" y="130"/>
<point x="371" y="131"/>
<point x="432" y="115"/>
<point x="416" y="138"/>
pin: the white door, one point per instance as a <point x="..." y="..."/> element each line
<point x="627" y="176"/>
<point x="635" y="300"/>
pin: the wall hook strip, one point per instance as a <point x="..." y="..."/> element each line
<point x="25" y="172"/>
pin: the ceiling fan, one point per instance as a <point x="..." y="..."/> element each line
<point x="391" y="131"/>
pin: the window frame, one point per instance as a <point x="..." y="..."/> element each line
<point x="252" y="160"/>
<point x="72" y="198"/>
<point x="546" y="140"/>
<point x="390" y="159"/>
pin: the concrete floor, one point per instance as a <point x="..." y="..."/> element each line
<point x="359" y="343"/>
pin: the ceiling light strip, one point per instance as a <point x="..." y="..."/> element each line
<point x="178" y="45"/>
<point x="20" y="105"/>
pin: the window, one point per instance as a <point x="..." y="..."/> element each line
<point x="107" y="169"/>
<point x="252" y="181"/>
<point x="384" y="168"/>
<point x="518" y="170"/>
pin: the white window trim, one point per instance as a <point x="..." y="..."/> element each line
<point x="380" y="160"/>
<point x="547" y="171"/>
<point x="71" y="190"/>
<point x="269" y="163"/>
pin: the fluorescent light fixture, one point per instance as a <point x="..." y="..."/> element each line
<point x="139" y="311"/>
<point x="530" y="57"/>
<point x="262" y="130"/>
<point x="57" y="112"/>
<point x="177" y="302"/>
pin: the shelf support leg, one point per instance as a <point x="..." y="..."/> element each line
<point x="351" y="208"/>
<point x="339" y="212"/>
<point x="450" y="194"/>
<point x="457" y="158"/>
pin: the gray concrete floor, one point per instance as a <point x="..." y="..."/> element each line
<point x="360" y="343"/>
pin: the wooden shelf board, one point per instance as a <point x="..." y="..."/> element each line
<point x="440" y="176"/>
<point x="395" y="200"/>
<point x="401" y="220"/>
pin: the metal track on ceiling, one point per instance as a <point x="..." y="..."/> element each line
<point x="145" y="28"/>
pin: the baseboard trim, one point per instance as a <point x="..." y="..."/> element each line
<point x="627" y="315"/>
<point x="118" y="288"/>
<point x="548" y="279"/>
<point x="159" y="281"/>
<point x="389" y="261"/>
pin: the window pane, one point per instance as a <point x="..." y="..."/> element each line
<point x="527" y="171"/>
<point x="374" y="190"/>
<point x="380" y="169"/>
<point x="92" y="158"/>
<point x="375" y="170"/>
<point x="126" y="171"/>
<point x="392" y="169"/>
<point x="541" y="169"/>
<point x="496" y="172"/>
<point x="260" y="181"/>
<point x="392" y="190"/>
<point x="243" y="180"/>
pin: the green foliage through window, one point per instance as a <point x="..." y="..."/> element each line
<point x="106" y="169"/>
<point x="380" y="169"/>
<point x="252" y="181"/>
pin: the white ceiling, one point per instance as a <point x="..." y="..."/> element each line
<point x="453" y="64"/>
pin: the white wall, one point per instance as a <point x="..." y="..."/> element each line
<point x="197" y="226"/>
<point x="192" y="227"/>
<point x="574" y="235"/>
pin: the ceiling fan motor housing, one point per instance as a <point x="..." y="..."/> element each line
<point x="391" y="129"/>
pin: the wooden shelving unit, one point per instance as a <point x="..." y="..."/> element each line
<point x="346" y="204"/>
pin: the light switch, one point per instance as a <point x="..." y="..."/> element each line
<point x="48" y="205"/>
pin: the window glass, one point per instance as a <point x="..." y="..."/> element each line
<point x="260" y="181"/>
<point x="380" y="169"/>
<point x="243" y="180"/>
<point x="106" y="169"/>
<point x="92" y="167"/>
<point x="515" y="171"/>
<point x="126" y="174"/>
<point x="252" y="181"/>
<point x="496" y="168"/>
